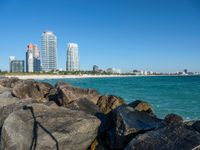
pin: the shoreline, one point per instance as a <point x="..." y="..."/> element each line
<point x="42" y="77"/>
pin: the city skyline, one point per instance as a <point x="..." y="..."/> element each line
<point x="159" y="36"/>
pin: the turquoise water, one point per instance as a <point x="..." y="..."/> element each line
<point x="167" y="94"/>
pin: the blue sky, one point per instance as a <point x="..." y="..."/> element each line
<point x="158" y="35"/>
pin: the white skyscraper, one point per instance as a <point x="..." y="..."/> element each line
<point x="49" y="51"/>
<point x="72" y="57"/>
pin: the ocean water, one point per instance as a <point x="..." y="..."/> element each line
<point x="166" y="94"/>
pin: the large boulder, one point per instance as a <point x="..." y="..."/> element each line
<point x="48" y="127"/>
<point x="172" y="136"/>
<point x="26" y="89"/>
<point x="142" y="106"/>
<point x="107" y="103"/>
<point x="85" y="105"/>
<point x="126" y="123"/>
<point x="4" y="89"/>
<point x="8" y="104"/>
<point x="9" y="82"/>
<point x="67" y="94"/>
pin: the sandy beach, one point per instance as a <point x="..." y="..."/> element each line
<point x="41" y="77"/>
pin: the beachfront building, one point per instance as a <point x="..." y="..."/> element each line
<point x="11" y="58"/>
<point x="17" y="66"/>
<point x="72" y="63"/>
<point x="49" y="51"/>
<point x="32" y="58"/>
<point x="95" y="68"/>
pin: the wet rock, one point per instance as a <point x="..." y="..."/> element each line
<point x="45" y="127"/>
<point x="171" y="137"/>
<point x="107" y="103"/>
<point x="126" y="123"/>
<point x="67" y="94"/>
<point x="142" y="106"/>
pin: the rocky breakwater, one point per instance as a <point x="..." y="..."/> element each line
<point x="37" y="115"/>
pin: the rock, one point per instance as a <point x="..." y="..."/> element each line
<point x="44" y="88"/>
<point x="142" y="106"/>
<point x="173" y="119"/>
<point x="43" y="127"/>
<point x="66" y="94"/>
<point x="9" y="82"/>
<point x="6" y="94"/>
<point x="8" y="105"/>
<point x="26" y="89"/>
<point x="126" y="123"/>
<point x="85" y="105"/>
<point x="171" y="137"/>
<point x="4" y="89"/>
<point x="193" y="125"/>
<point x="107" y="103"/>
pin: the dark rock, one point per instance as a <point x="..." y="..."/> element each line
<point x="173" y="119"/>
<point x="107" y="103"/>
<point x="126" y="123"/>
<point x="48" y="127"/>
<point x="172" y="137"/>
<point x="142" y="106"/>
<point x="193" y="125"/>
<point x="66" y="94"/>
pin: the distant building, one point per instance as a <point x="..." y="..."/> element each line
<point x="17" y="66"/>
<point x="113" y="70"/>
<point x="72" y="63"/>
<point x="49" y="51"/>
<point x="95" y="68"/>
<point x="33" y="58"/>
<point x="11" y="58"/>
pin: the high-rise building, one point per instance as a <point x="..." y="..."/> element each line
<point x="72" y="57"/>
<point x="32" y="58"/>
<point x="17" y="66"/>
<point x="11" y="58"/>
<point x="95" y="68"/>
<point x="37" y="62"/>
<point x="49" y="51"/>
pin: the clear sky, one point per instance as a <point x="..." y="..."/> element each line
<point x="158" y="35"/>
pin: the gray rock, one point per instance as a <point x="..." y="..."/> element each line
<point x="9" y="82"/>
<point x="85" y="105"/>
<point x="25" y="89"/>
<point x="171" y="137"/>
<point x="107" y="103"/>
<point x="67" y="94"/>
<point x="8" y="105"/>
<point x="45" y="127"/>
<point x="126" y="123"/>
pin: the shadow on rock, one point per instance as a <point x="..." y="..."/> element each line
<point x="37" y="124"/>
